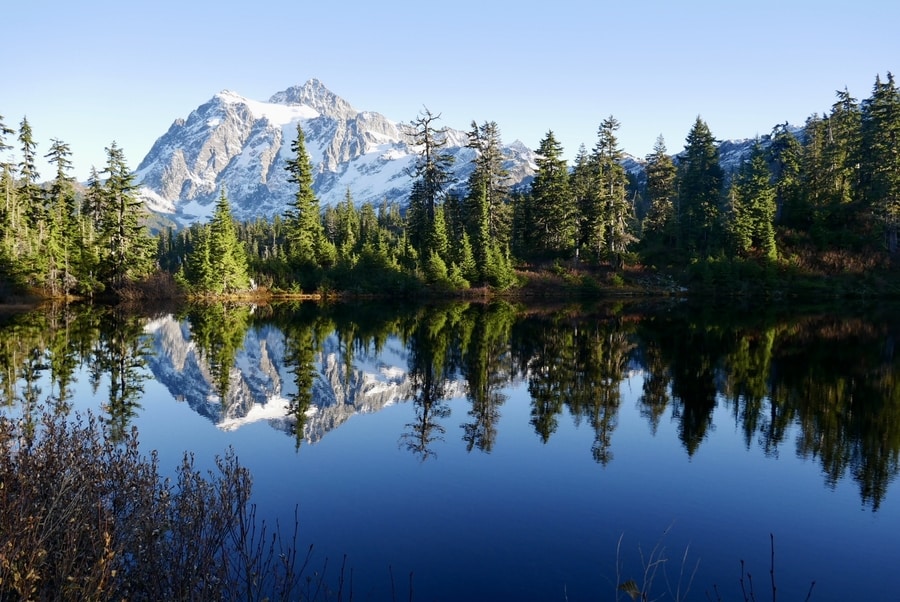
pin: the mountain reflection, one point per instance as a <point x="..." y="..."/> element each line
<point x="824" y="386"/>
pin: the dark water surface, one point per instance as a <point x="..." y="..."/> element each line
<point x="487" y="452"/>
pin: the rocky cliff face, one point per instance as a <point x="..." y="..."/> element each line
<point x="242" y="144"/>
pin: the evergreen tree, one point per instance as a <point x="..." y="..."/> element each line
<point x="127" y="245"/>
<point x="228" y="258"/>
<point x="4" y="132"/>
<point x="699" y="220"/>
<point x="431" y="173"/>
<point x="881" y="152"/>
<point x="609" y="220"/>
<point x="305" y="234"/>
<point x="830" y="170"/>
<point x="487" y="212"/>
<point x="551" y="217"/>
<point x="661" y="220"/>
<point x="841" y="151"/>
<point x="62" y="221"/>
<point x="785" y="157"/>
<point x="29" y="190"/>
<point x="7" y="182"/>
<point x="437" y="235"/>
<point x="198" y="261"/>
<point x="581" y="186"/>
<point x="347" y="226"/>
<point x="753" y="208"/>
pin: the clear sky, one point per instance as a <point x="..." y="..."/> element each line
<point x="95" y="71"/>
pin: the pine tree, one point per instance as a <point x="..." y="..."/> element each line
<point x="61" y="222"/>
<point x="785" y="156"/>
<point x="753" y="208"/>
<point x="581" y="185"/>
<point x="198" y="261"/>
<point x="228" y="258"/>
<point x="699" y="220"/>
<point x="487" y="209"/>
<point x="661" y="220"/>
<point x="610" y="219"/>
<point x="881" y="152"/>
<point x="305" y="234"/>
<point x="127" y="245"/>
<point x="29" y="191"/>
<point x="551" y="217"/>
<point x="431" y="173"/>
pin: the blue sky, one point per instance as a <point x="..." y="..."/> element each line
<point x="96" y="71"/>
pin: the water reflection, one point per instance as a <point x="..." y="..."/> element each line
<point x="829" y="381"/>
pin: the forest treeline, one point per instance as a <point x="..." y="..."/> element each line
<point x="814" y="209"/>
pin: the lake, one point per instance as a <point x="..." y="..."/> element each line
<point x="471" y="451"/>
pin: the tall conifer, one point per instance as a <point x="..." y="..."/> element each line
<point x="660" y="222"/>
<point x="305" y="234"/>
<point x="551" y="208"/>
<point x="127" y="244"/>
<point x="228" y="258"/>
<point x="881" y="151"/>
<point x="700" y="225"/>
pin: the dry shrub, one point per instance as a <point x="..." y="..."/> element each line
<point x="85" y="518"/>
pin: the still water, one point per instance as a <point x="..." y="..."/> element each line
<point x="488" y="452"/>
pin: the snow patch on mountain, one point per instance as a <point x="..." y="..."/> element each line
<point x="242" y="145"/>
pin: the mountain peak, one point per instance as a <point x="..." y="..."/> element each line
<point x="241" y="144"/>
<point x="314" y="94"/>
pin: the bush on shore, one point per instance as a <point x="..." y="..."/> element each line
<point x="87" y="518"/>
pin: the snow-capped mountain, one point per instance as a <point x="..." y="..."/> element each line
<point x="242" y="145"/>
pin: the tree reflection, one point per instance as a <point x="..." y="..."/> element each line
<point x="486" y="368"/>
<point x="605" y="351"/>
<point x="303" y="330"/>
<point x="219" y="331"/>
<point x="842" y="379"/>
<point x="120" y="354"/>
<point x="657" y="379"/>
<point x="430" y="365"/>
<point x="827" y="385"/>
<point x="578" y="363"/>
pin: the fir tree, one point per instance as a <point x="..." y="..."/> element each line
<point x="62" y="219"/>
<point x="881" y="151"/>
<point x="228" y="258"/>
<point x="785" y="156"/>
<point x="753" y="208"/>
<point x="699" y="221"/>
<point x="127" y="245"/>
<point x="551" y="218"/>
<point x="431" y="173"/>
<point x="29" y="190"/>
<point x="487" y="210"/>
<point x="305" y="235"/>
<point x="581" y="185"/>
<point x="661" y="220"/>
<point x="4" y="132"/>
<point x="198" y="268"/>
<point x="609" y="220"/>
<point x="347" y="225"/>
